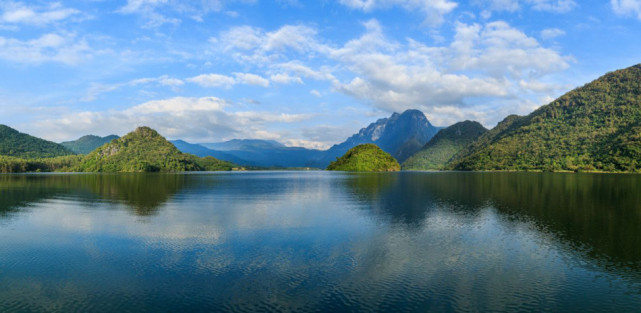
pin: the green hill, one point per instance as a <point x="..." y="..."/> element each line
<point x="442" y="147"/>
<point x="17" y="144"/>
<point x="144" y="150"/>
<point x="86" y="144"/>
<point x="365" y="158"/>
<point x="596" y="127"/>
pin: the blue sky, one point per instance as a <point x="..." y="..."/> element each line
<point x="306" y="73"/>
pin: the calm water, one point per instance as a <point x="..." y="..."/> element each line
<point x="320" y="241"/>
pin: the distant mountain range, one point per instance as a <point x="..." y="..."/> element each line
<point x="86" y="144"/>
<point x="253" y="152"/>
<point x="201" y="151"/>
<point x="400" y="135"/>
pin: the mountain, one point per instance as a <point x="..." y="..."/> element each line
<point x="201" y="151"/>
<point x="265" y="153"/>
<point x="596" y="127"/>
<point x="365" y="158"/>
<point x="86" y="144"/>
<point x="400" y="135"/>
<point x="144" y="150"/>
<point x="244" y="144"/>
<point x="16" y="144"/>
<point x="442" y="147"/>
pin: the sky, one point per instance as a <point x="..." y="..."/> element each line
<point x="304" y="73"/>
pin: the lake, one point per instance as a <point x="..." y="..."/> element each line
<point x="320" y="242"/>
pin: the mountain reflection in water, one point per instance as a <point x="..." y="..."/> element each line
<point x="319" y="241"/>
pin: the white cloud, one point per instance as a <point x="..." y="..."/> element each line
<point x="267" y="47"/>
<point x="163" y="80"/>
<point x="61" y="48"/>
<point x="159" y="12"/>
<point x="218" y="80"/>
<point x="193" y="119"/>
<point x="483" y="61"/>
<point x="299" y="69"/>
<point x="555" y="6"/>
<point x="262" y="117"/>
<point x="315" y="93"/>
<point x="243" y="37"/>
<point x="498" y="5"/>
<point x="213" y="80"/>
<point x="20" y="13"/>
<point x="433" y="10"/>
<point x="551" y="33"/>
<point x="627" y="7"/>
<point x="251" y="79"/>
<point x="96" y="89"/>
<point x="285" y="79"/>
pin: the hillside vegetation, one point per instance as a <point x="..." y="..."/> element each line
<point x="365" y="158"/>
<point x="442" y="147"/>
<point x="16" y="144"/>
<point x="144" y="150"/>
<point x="596" y="127"/>
<point x="86" y="144"/>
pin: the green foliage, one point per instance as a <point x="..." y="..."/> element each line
<point x="365" y="158"/>
<point x="210" y="163"/>
<point x="67" y="163"/>
<point x="592" y="128"/>
<point x="16" y="144"/>
<point x="86" y="144"/>
<point x="447" y="142"/>
<point x="142" y="150"/>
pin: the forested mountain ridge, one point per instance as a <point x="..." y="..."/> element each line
<point x="88" y="143"/>
<point x="365" y="158"/>
<point x="16" y="144"/>
<point x="444" y="145"/>
<point x="144" y="150"/>
<point x="596" y="127"/>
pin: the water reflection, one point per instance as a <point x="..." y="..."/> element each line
<point x="601" y="213"/>
<point x="309" y="242"/>
<point x="141" y="193"/>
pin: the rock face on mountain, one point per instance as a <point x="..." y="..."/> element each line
<point x="86" y="144"/>
<point x="365" y="158"/>
<point x="400" y="135"/>
<point x="144" y="150"/>
<point x="596" y="127"/>
<point x="16" y="144"/>
<point x="442" y="147"/>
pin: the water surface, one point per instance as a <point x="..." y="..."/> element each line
<point x="320" y="242"/>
